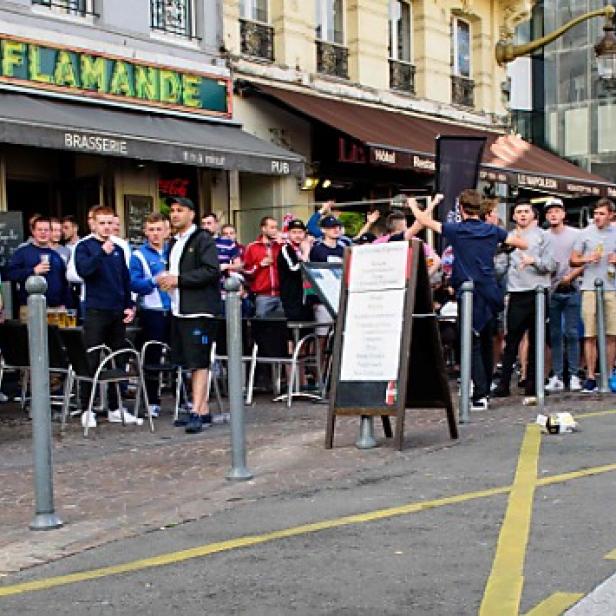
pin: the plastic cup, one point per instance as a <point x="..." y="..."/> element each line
<point x="71" y="318"/>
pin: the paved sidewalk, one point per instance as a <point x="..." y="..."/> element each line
<point x="125" y="481"/>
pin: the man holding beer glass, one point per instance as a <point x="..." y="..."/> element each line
<point x="37" y="258"/>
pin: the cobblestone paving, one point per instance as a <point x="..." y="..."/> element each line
<point x="125" y="481"/>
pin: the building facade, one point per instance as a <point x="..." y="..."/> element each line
<point x="571" y="113"/>
<point x="361" y="89"/>
<point x="123" y="103"/>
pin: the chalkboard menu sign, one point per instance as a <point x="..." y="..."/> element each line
<point x="11" y="236"/>
<point x="136" y="209"/>
<point x="387" y="353"/>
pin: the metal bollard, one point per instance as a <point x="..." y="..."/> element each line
<point x="540" y="346"/>
<point x="366" y="438"/>
<point x="466" y="341"/>
<point x="45" y="517"/>
<point x="238" y="471"/>
<point x="604" y="387"/>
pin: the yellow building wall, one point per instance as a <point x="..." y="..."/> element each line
<point x="366" y="35"/>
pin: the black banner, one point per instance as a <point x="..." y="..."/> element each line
<point x="457" y="168"/>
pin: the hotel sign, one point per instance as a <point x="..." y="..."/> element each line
<point x="350" y="151"/>
<point x="77" y="71"/>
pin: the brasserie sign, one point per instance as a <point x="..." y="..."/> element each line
<point x="77" y="71"/>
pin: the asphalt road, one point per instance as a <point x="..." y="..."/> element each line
<point x="431" y="560"/>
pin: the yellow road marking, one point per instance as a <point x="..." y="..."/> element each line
<point x="248" y="541"/>
<point x="596" y="414"/>
<point x="610" y="555"/>
<point x="504" y="587"/>
<point x="555" y="604"/>
<point x="242" y="542"/>
<point x="585" y="472"/>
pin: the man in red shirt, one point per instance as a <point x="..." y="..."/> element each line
<point x="261" y="268"/>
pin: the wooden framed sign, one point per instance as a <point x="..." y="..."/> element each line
<point x="386" y="306"/>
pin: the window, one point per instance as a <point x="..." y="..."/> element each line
<point x="400" y="30"/>
<point x="173" y="17"/>
<point x="329" y="20"/>
<point x="461" y="48"/>
<point x="68" y="7"/>
<point x="256" y="35"/>
<point x="254" y="10"/>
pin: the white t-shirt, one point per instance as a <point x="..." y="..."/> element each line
<point x="174" y="269"/>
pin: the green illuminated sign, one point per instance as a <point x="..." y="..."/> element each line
<point x="79" y="71"/>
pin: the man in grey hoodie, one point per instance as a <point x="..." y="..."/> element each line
<point x="527" y="269"/>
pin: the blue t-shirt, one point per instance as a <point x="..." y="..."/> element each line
<point x="474" y="244"/>
<point x="322" y="253"/>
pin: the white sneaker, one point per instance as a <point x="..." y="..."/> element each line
<point x="221" y="418"/>
<point x="554" y="384"/>
<point x="530" y="401"/>
<point x="154" y="410"/>
<point x="3" y="397"/>
<point x="479" y="405"/>
<point x="88" y="419"/>
<point x="575" y="383"/>
<point x="129" y="418"/>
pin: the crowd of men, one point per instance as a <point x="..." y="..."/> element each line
<point x="174" y="284"/>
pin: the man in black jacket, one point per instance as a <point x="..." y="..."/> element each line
<point x="193" y="285"/>
<point x="295" y="252"/>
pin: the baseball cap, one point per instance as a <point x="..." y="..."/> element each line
<point x="184" y="201"/>
<point x="365" y="238"/>
<point x="554" y="202"/>
<point x="329" y="222"/>
<point x="296" y="224"/>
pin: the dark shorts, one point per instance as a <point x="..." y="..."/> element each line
<point x="191" y="342"/>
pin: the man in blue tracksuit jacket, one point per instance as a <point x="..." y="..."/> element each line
<point x="108" y="303"/>
<point x="154" y="305"/>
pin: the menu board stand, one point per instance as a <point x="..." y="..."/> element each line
<point x="387" y="350"/>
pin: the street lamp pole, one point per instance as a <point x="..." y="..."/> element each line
<point x="605" y="49"/>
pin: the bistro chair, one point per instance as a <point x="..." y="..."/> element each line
<point x="271" y="340"/>
<point x="249" y="355"/>
<point x="15" y="355"/>
<point x="106" y="373"/>
<point x="164" y="367"/>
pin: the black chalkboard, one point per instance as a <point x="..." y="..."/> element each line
<point x="136" y="209"/>
<point x="11" y="236"/>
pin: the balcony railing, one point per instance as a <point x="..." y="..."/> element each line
<point x="462" y="91"/>
<point x="401" y="76"/>
<point x="332" y="59"/>
<point x="257" y="39"/>
<point x="69" y="7"/>
<point x="173" y="17"/>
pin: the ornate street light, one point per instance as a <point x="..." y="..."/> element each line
<point x="605" y="49"/>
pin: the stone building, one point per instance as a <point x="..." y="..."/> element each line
<point x="361" y="89"/>
<point x="123" y="103"/>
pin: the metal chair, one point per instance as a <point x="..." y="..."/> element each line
<point x="164" y="367"/>
<point x="14" y="350"/>
<point x="271" y="338"/>
<point x="249" y="354"/>
<point x="106" y="373"/>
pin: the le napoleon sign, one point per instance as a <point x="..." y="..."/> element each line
<point x="77" y="71"/>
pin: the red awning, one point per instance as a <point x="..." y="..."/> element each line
<point x="404" y="140"/>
